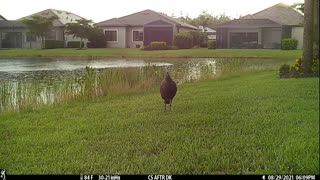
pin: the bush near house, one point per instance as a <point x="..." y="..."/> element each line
<point x="289" y="44"/>
<point x="211" y="44"/>
<point x="158" y="45"/>
<point x="74" y="44"/>
<point x="52" y="44"/>
<point x="183" y="40"/>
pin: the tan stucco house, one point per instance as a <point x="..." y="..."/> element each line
<point x="14" y="34"/>
<point x="141" y="28"/>
<point x="264" y="29"/>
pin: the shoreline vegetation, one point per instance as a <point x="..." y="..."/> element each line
<point x="99" y="53"/>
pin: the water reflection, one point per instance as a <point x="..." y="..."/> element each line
<point x="29" y="83"/>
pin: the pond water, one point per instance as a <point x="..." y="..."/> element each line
<point x="32" y="82"/>
<point x="26" y="83"/>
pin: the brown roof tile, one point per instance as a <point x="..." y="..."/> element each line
<point x="280" y="13"/>
<point x="141" y="18"/>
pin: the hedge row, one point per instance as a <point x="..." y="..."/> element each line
<point x="52" y="44"/>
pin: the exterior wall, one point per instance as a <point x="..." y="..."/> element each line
<point x="271" y="38"/>
<point x="121" y="37"/>
<point x="130" y="42"/>
<point x="182" y="29"/>
<point x="297" y="33"/>
<point x="233" y="30"/>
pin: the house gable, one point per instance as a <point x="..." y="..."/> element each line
<point x="2" y="18"/>
<point x="158" y="23"/>
<point x="280" y="13"/>
<point x="141" y="18"/>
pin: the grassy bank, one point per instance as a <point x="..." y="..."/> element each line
<point x="137" y="53"/>
<point x="248" y="124"/>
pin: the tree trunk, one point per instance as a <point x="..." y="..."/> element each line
<point x="42" y="42"/>
<point x="80" y="43"/>
<point x="316" y="30"/>
<point x="307" y="60"/>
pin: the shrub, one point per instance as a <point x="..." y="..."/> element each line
<point x="52" y="44"/>
<point x="158" y="45"/>
<point x="183" y="40"/>
<point x="284" y="71"/>
<point x="289" y="44"/>
<point x="211" y="44"/>
<point x="198" y="37"/>
<point x="74" y="44"/>
<point x="287" y="71"/>
<point x="97" y="38"/>
<point x="315" y="67"/>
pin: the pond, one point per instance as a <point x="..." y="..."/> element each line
<point x="29" y="83"/>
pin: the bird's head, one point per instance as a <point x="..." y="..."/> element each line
<point x="167" y="68"/>
<point x="167" y="72"/>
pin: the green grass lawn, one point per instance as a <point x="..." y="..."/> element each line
<point x="137" y="53"/>
<point x="249" y="124"/>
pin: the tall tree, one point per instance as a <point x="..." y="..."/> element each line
<point x="79" y="29"/>
<point x="316" y="30"/>
<point x="40" y="26"/>
<point x="205" y="19"/>
<point x="306" y="64"/>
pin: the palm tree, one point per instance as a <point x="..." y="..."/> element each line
<point x="307" y="61"/>
<point x="316" y="30"/>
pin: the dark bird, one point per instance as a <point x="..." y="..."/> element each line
<point x="168" y="89"/>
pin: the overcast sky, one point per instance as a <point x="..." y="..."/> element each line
<point x="100" y="10"/>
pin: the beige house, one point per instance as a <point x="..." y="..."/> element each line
<point x="141" y="28"/>
<point x="14" y="34"/>
<point x="264" y="29"/>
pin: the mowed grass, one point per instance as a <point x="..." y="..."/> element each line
<point x="137" y="53"/>
<point x="250" y="124"/>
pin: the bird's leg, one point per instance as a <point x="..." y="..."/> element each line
<point x="170" y="104"/>
<point x="165" y="107"/>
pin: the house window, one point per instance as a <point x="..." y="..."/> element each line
<point x="31" y="37"/>
<point x="111" y="35"/>
<point x="246" y="40"/>
<point x="137" y="36"/>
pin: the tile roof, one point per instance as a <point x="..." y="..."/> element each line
<point x="11" y="24"/>
<point x="280" y="13"/>
<point x="64" y="16"/>
<point x="249" y="23"/>
<point x="141" y="18"/>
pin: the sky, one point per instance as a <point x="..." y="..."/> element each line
<point x="100" y="10"/>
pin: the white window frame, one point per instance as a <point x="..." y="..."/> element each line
<point x="137" y="31"/>
<point x="112" y="30"/>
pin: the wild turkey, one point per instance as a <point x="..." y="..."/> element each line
<point x="168" y="89"/>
